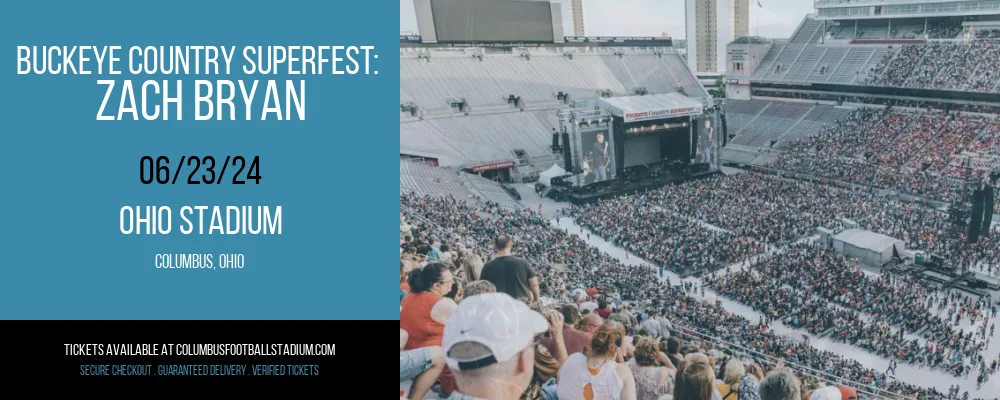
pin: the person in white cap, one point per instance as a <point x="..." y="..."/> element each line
<point x="489" y="345"/>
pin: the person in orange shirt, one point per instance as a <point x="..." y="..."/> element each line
<point x="848" y="393"/>
<point x="424" y="312"/>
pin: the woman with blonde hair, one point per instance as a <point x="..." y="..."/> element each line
<point x="601" y="374"/>
<point x="471" y="266"/>
<point x="730" y="386"/>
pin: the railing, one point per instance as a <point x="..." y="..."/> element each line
<point x="861" y="388"/>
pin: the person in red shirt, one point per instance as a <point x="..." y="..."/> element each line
<point x="575" y="340"/>
<point x="603" y="309"/>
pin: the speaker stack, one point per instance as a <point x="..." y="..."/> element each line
<point x="976" y="224"/>
<point x="987" y="210"/>
<point x="725" y="132"/>
<point x="567" y="157"/>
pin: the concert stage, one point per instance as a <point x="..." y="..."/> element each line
<point x="620" y="145"/>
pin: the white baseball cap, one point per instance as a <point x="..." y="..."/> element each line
<point x="495" y="320"/>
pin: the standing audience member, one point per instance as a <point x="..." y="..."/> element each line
<point x="511" y="274"/>
<point x="665" y="325"/>
<point x="576" y="341"/>
<point x="652" y="325"/>
<point x="489" y="343"/>
<point x="602" y="373"/>
<point x="471" y="266"/>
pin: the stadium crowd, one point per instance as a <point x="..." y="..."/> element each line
<point x="662" y="236"/>
<point x="771" y="210"/>
<point x="988" y="34"/>
<point x="610" y="319"/>
<point x="893" y="150"/>
<point x="799" y="284"/>
<point x="941" y="65"/>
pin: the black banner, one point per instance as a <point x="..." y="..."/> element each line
<point x="621" y="40"/>
<point x="577" y="41"/>
<point x="182" y="352"/>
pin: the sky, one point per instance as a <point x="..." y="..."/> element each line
<point x="777" y="18"/>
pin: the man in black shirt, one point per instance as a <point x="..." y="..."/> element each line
<point x="600" y="157"/>
<point x="511" y="274"/>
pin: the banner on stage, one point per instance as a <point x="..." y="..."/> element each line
<point x="661" y="113"/>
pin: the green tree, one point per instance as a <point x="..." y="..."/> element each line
<point x="720" y="89"/>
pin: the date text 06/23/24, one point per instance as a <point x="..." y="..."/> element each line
<point x="199" y="170"/>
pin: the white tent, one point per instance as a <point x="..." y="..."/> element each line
<point x="872" y="249"/>
<point x="554" y="171"/>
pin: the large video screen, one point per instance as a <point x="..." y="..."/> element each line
<point x="707" y="135"/>
<point x="598" y="161"/>
<point x="492" y="21"/>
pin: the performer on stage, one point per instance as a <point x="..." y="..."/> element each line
<point x="601" y="159"/>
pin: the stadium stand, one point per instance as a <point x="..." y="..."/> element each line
<point x="912" y="152"/>
<point x="416" y="177"/>
<point x="430" y="77"/>
<point x="944" y="56"/>
<point x="480" y="139"/>
<point x="969" y="66"/>
<point x="757" y="122"/>
<point x="804" y="60"/>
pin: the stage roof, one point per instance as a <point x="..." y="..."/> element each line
<point x="866" y="239"/>
<point x="652" y="107"/>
